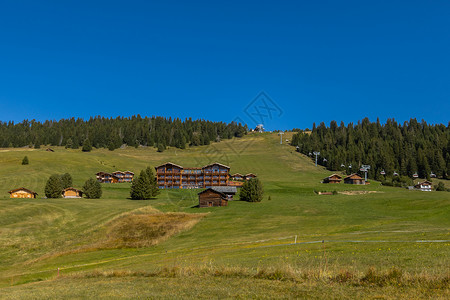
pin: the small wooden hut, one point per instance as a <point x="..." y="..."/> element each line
<point x="210" y="197"/>
<point x="22" y="193"/>
<point x="354" y="179"/>
<point x="334" y="178"/>
<point x="71" y="192"/>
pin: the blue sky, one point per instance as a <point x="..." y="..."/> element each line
<point x="316" y="60"/>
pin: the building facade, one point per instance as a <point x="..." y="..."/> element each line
<point x="335" y="178"/>
<point x="425" y="186"/>
<point x="22" y="193"/>
<point x="170" y="175"/>
<point x="354" y="179"/>
<point x="71" y="192"/>
<point x="115" y="177"/>
<point x="211" y="197"/>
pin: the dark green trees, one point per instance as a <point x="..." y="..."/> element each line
<point x="66" y="180"/>
<point x="392" y="147"/>
<point x="87" y="147"/>
<point x="112" y="133"/>
<point x="252" y="191"/>
<point x="53" y="187"/>
<point x="25" y="161"/>
<point x="92" y="189"/>
<point x="144" y="186"/>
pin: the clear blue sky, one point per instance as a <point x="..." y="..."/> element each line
<point x="317" y="60"/>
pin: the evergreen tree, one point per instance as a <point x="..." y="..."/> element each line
<point x="92" y="189"/>
<point x="66" y="180"/>
<point x="87" y="147"/>
<point x="440" y="187"/>
<point x="406" y="149"/>
<point x="53" y="187"/>
<point x="252" y="191"/>
<point x="154" y="190"/>
<point x="25" y="161"/>
<point x="161" y="147"/>
<point x="140" y="187"/>
<point x="69" y="143"/>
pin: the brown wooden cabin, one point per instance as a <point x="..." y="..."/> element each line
<point x="104" y="177"/>
<point x="335" y="178"/>
<point x="71" y="192"/>
<point x="354" y="179"/>
<point x="249" y="176"/>
<point x="22" y="193"/>
<point x="211" y="197"/>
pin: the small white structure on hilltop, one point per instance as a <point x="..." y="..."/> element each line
<point x="259" y="128"/>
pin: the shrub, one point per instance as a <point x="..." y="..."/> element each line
<point x="66" y="180"/>
<point x="440" y="187"/>
<point x="25" y="161"/>
<point x="144" y="186"/>
<point x="87" y="147"/>
<point x="92" y="189"/>
<point x="53" y="187"/>
<point x="252" y="191"/>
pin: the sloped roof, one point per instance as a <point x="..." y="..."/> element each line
<point x="72" y="188"/>
<point x="211" y="189"/>
<point x="225" y="189"/>
<point x="216" y="163"/>
<point x="426" y="182"/>
<point x="334" y="175"/>
<point x="22" y="188"/>
<point x="250" y="174"/>
<point x="353" y="176"/>
<point x="169" y="163"/>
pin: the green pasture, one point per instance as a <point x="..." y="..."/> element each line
<point x="384" y="229"/>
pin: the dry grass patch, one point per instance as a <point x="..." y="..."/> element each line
<point x="144" y="230"/>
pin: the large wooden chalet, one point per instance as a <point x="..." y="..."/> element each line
<point x="22" y="193"/>
<point x="354" y="179"/>
<point x="170" y="175"/>
<point x="334" y="178"/>
<point x="115" y="177"/>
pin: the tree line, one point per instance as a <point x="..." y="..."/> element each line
<point x="391" y="148"/>
<point x="112" y="133"/>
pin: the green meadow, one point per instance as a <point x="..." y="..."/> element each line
<point x="364" y="242"/>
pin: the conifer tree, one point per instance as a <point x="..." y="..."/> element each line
<point x="252" y="191"/>
<point x="66" y="181"/>
<point x="25" y="161"/>
<point x="154" y="190"/>
<point x="140" y="187"/>
<point x="53" y="187"/>
<point x="69" y="143"/>
<point x="87" y="147"/>
<point x="92" y="189"/>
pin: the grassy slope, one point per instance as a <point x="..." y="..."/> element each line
<point x="242" y="234"/>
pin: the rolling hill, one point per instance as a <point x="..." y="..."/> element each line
<point x="372" y="240"/>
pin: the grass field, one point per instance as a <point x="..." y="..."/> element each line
<point x="389" y="243"/>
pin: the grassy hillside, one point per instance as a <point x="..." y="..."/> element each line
<point x="229" y="246"/>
